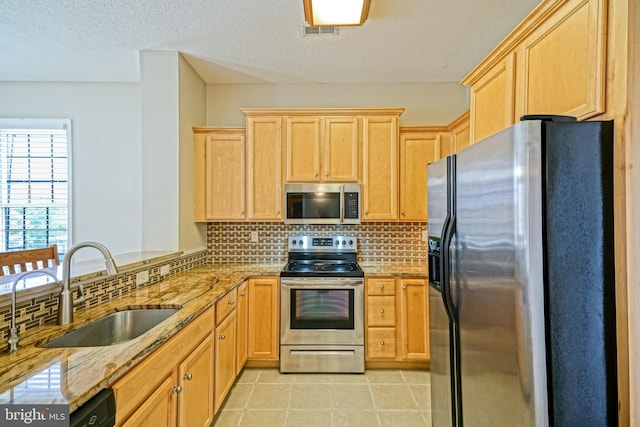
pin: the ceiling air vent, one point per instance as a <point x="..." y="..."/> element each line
<point x="318" y="31"/>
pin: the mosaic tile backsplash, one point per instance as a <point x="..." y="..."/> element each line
<point x="378" y="242"/>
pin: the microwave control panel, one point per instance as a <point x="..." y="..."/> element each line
<point x="351" y="205"/>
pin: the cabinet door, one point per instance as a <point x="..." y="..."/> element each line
<point x="159" y="409"/>
<point x="380" y="169"/>
<point x="381" y="343"/>
<point x="225" y="359"/>
<point x="459" y="135"/>
<point x="264" y="328"/>
<point x="242" y="318"/>
<point x="561" y="65"/>
<point x="416" y="151"/>
<point x="492" y="100"/>
<point x="341" y="149"/>
<point x="195" y="376"/>
<point x="302" y="149"/>
<point x="413" y="319"/>
<point x="224" y="176"/>
<point x="264" y="159"/>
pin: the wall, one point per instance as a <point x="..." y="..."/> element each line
<point x="106" y="185"/>
<point x="193" y="236"/>
<point x="425" y="103"/>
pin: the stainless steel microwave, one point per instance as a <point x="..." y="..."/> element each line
<point x="322" y="203"/>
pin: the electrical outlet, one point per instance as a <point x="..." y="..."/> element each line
<point x="142" y="277"/>
<point x="424" y="235"/>
<point x="254" y="236"/>
<point x="165" y="269"/>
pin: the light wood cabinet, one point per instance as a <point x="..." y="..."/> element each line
<point x="380" y="167"/>
<point x="418" y="148"/>
<point x="413" y="311"/>
<point x="219" y="167"/>
<point x="460" y="138"/>
<point x="225" y="358"/>
<point x="554" y="62"/>
<point x="242" y="319"/>
<point x="264" y="168"/>
<point x="397" y="320"/>
<point x="322" y="149"/>
<point x="159" y="389"/>
<point x="263" y="318"/>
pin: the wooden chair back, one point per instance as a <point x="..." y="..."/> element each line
<point x="31" y="259"/>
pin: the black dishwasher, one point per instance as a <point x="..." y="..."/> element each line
<point x="99" y="411"/>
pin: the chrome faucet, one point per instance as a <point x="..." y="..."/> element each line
<point x="13" y="338"/>
<point x="65" y="300"/>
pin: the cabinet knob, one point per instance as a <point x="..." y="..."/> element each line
<point x="381" y="342"/>
<point x="326" y="174"/>
<point x="277" y="212"/>
<point x="404" y="286"/>
<point x="316" y="174"/>
<point x="241" y="212"/>
<point x="241" y="294"/>
<point x="177" y="389"/>
<point x="366" y="212"/>
<point x="402" y="213"/>
<point x="381" y="286"/>
<point x="188" y="376"/>
<point x="221" y="337"/>
<point x="382" y="310"/>
<point x="231" y="302"/>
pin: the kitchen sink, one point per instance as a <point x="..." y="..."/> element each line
<point x="114" y="328"/>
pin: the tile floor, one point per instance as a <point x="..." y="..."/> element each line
<point x="266" y="398"/>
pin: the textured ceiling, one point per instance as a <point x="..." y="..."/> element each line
<point x="250" y="41"/>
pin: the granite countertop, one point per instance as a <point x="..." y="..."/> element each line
<point x="34" y="375"/>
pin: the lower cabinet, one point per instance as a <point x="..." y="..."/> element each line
<point x="225" y="358"/>
<point x="264" y="317"/>
<point x="242" y="319"/>
<point x="397" y="320"/>
<point x="174" y="385"/>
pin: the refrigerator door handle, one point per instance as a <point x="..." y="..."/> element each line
<point x="448" y="232"/>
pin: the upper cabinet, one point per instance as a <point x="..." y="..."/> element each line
<point x="264" y="168"/>
<point x="552" y="63"/>
<point x="322" y="149"/>
<point x="419" y="146"/>
<point x="219" y="174"/>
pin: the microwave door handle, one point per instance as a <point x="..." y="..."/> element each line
<point x="342" y="203"/>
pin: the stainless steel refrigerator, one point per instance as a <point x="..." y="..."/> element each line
<point x="521" y="272"/>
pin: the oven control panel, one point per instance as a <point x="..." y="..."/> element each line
<point x="323" y="244"/>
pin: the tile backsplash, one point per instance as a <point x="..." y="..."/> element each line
<point x="378" y="242"/>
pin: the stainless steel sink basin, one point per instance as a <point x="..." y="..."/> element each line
<point x="113" y="329"/>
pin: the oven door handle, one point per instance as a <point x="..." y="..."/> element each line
<point x="322" y="283"/>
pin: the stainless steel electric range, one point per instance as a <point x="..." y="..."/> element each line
<point x="322" y="306"/>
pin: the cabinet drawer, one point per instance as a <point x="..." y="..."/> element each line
<point x="381" y="311"/>
<point x="226" y="305"/>
<point x="381" y="343"/>
<point x="381" y="287"/>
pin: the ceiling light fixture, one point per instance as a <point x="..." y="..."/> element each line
<point x="336" y="12"/>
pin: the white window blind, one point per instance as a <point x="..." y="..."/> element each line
<point x="34" y="184"/>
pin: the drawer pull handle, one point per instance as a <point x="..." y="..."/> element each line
<point x="381" y="342"/>
<point x="381" y="286"/>
<point x="382" y="310"/>
<point x="188" y="376"/>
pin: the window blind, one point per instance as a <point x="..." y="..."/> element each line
<point x="34" y="186"/>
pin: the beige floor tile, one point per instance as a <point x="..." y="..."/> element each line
<point x="309" y="418"/>
<point x="416" y="377"/>
<point x="270" y="396"/>
<point x="422" y="395"/>
<point x="348" y="378"/>
<point x="238" y="396"/>
<point x="310" y="396"/>
<point x="313" y="378"/>
<point x="385" y="377"/>
<point x="228" y="418"/>
<point x="274" y="376"/>
<point x="249" y="375"/>
<point x="427" y="416"/>
<point x="350" y="418"/>
<point x="401" y="419"/>
<point x="351" y="396"/>
<point x="264" y="418"/>
<point x="391" y="396"/>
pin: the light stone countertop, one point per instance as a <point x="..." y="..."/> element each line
<point x="34" y="375"/>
